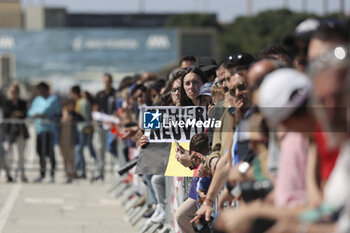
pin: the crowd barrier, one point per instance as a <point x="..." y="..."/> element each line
<point x="123" y="186"/>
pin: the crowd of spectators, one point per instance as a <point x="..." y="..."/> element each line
<point x="279" y="162"/>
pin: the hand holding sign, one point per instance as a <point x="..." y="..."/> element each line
<point x="183" y="156"/>
<point x="142" y="142"/>
<point x="197" y="157"/>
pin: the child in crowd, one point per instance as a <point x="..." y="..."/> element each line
<point x="217" y="94"/>
<point x="186" y="211"/>
<point x="199" y="143"/>
<point x="203" y="183"/>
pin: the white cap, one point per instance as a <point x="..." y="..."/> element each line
<point x="276" y="90"/>
<point x="307" y="25"/>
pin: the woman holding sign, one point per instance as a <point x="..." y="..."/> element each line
<point x="170" y="97"/>
<point x="192" y="80"/>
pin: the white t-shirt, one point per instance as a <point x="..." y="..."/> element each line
<point x="337" y="189"/>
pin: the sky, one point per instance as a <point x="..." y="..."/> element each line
<point x="226" y="10"/>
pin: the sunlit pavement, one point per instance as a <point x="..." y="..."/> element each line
<point x="80" y="207"/>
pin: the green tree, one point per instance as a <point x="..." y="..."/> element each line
<point x="251" y="34"/>
<point x="248" y="34"/>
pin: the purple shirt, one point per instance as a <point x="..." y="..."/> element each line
<point x="193" y="192"/>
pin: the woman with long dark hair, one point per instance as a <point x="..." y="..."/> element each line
<point x="192" y="80"/>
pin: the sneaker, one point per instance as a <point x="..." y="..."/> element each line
<point x="38" y="180"/>
<point x="160" y="217"/>
<point x="150" y="211"/>
<point x="148" y="223"/>
<point x="52" y="179"/>
<point x="156" y="211"/>
<point x="140" y="202"/>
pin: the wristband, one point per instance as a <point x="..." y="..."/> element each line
<point x="210" y="205"/>
<point x="208" y="202"/>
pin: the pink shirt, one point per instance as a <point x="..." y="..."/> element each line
<point x="290" y="189"/>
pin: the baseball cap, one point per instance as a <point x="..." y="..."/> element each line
<point x="205" y="89"/>
<point x="205" y="63"/>
<point x="239" y="60"/>
<point x="303" y="30"/>
<point x="282" y="92"/>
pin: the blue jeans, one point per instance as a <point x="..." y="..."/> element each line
<point x="148" y="179"/>
<point x="79" y="161"/>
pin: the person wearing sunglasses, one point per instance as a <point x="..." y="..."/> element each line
<point x="233" y="64"/>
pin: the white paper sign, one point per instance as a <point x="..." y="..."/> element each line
<point x="171" y="123"/>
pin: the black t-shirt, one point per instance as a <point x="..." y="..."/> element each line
<point x="10" y="107"/>
<point x="106" y="101"/>
<point x="13" y="130"/>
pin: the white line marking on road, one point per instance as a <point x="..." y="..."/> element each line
<point x="47" y="201"/>
<point x="9" y="203"/>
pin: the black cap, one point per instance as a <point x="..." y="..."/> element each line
<point x="239" y="60"/>
<point x="205" y="63"/>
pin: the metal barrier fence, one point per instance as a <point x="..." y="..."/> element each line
<point x="14" y="143"/>
<point x="177" y="189"/>
<point x="176" y="192"/>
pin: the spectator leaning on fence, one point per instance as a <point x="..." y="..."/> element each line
<point x="223" y="138"/>
<point x="43" y="109"/>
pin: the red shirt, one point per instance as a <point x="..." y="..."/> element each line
<point x="327" y="156"/>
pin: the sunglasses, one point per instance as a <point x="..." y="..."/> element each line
<point x="240" y="87"/>
<point x="220" y="82"/>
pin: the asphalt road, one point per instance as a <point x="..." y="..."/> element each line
<point x="80" y="207"/>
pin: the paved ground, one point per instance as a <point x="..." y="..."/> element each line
<point x="51" y="208"/>
<point x="80" y="207"/>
